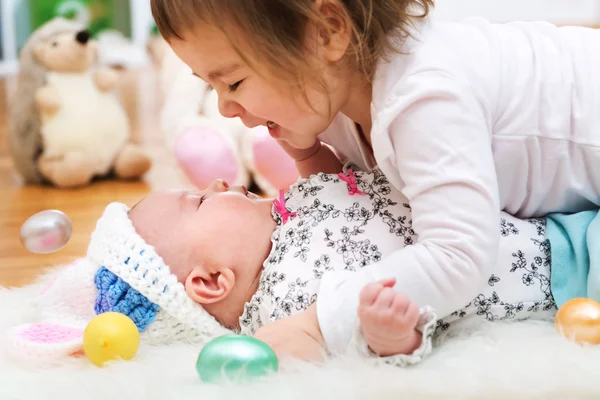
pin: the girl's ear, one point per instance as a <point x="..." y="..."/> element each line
<point x="207" y="288"/>
<point x="334" y="38"/>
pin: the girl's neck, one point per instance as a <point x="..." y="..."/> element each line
<point x="358" y="104"/>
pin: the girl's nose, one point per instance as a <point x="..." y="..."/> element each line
<point x="229" y="109"/>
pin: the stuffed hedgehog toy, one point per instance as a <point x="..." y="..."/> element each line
<point x="66" y="126"/>
<point x="207" y="145"/>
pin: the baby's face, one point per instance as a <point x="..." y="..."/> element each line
<point x="220" y="226"/>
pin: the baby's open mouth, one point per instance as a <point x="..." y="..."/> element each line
<point x="250" y="195"/>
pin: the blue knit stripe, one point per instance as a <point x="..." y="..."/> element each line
<point x="116" y="295"/>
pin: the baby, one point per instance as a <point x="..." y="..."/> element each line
<point x="250" y="261"/>
<point x="193" y="266"/>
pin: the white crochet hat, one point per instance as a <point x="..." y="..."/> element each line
<point x="116" y="246"/>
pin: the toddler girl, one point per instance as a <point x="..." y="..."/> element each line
<point x="465" y="119"/>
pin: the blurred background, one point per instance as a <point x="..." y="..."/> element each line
<point x="163" y="103"/>
<point x="118" y="19"/>
<point x="133" y="19"/>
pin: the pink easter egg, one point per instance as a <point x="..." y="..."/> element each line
<point x="204" y="155"/>
<point x="271" y="161"/>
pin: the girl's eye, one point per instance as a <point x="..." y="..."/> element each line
<point x="233" y="88"/>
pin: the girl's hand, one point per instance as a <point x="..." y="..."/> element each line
<point x="318" y="158"/>
<point x="300" y="154"/>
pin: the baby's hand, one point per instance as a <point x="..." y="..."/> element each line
<point x="388" y="319"/>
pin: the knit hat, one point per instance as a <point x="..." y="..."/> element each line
<point x="134" y="280"/>
<point x="121" y="273"/>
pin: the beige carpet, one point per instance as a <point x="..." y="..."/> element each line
<point x="525" y="360"/>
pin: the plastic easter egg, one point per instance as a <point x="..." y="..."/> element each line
<point x="46" y="232"/>
<point x="236" y="358"/>
<point x="110" y="336"/>
<point x="271" y="162"/>
<point x="579" y="321"/>
<point x="205" y="155"/>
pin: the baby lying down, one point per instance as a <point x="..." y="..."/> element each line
<point x="250" y="261"/>
<point x="196" y="265"/>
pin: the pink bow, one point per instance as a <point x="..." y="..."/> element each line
<point x="351" y="181"/>
<point x="281" y="209"/>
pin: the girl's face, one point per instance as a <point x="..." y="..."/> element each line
<point x="245" y="94"/>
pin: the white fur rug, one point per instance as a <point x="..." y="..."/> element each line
<point x="525" y="360"/>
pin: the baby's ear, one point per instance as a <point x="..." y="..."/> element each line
<point x="206" y="288"/>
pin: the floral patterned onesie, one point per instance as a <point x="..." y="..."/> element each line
<point x="347" y="222"/>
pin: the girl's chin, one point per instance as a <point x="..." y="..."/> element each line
<point x="299" y="146"/>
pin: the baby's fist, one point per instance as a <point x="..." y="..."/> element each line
<point x="388" y="319"/>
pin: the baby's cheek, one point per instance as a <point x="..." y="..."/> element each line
<point x="232" y="207"/>
<point x="234" y="224"/>
<point x="235" y="229"/>
<point x="236" y="220"/>
<point x="176" y="269"/>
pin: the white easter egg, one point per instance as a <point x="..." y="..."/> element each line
<point x="46" y="232"/>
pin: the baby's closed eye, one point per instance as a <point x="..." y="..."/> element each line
<point x="200" y="201"/>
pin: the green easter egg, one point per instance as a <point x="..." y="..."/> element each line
<point x="236" y="358"/>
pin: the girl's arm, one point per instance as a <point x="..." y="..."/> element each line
<point x="440" y="143"/>
<point x="318" y="158"/>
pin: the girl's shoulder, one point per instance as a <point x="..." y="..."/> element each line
<point x="435" y="47"/>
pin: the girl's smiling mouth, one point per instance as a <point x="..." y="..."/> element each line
<point x="273" y="129"/>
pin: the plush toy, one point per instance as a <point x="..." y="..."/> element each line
<point x="66" y="125"/>
<point x="208" y="146"/>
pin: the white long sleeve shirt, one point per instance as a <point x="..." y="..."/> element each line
<point x="472" y="119"/>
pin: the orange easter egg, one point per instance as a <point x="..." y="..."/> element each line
<point x="579" y="321"/>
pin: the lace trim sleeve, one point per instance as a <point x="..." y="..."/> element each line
<point x="426" y="326"/>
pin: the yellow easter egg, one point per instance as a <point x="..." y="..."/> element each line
<point x="579" y="320"/>
<point x="110" y="336"/>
